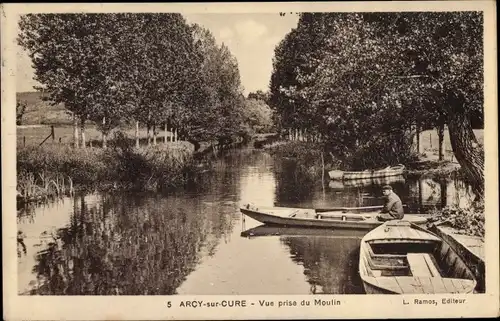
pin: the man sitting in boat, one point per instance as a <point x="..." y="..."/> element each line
<point x="393" y="207"/>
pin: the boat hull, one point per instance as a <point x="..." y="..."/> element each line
<point x="310" y="220"/>
<point x="401" y="258"/>
<point x="369" y="174"/>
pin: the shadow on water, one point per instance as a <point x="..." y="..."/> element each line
<point x="330" y="264"/>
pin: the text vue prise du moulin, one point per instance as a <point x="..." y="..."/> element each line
<point x="296" y="303"/>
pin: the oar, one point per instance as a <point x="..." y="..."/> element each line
<point x="362" y="208"/>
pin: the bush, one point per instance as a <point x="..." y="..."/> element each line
<point x="307" y="156"/>
<point x="468" y="220"/>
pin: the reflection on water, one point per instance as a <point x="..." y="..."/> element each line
<point x="189" y="242"/>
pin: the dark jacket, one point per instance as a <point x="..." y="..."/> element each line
<point x="393" y="206"/>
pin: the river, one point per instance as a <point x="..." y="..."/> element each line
<point x="191" y="241"/>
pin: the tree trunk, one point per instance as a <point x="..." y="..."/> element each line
<point x="417" y="128"/>
<point x="441" y="139"/>
<point x="75" y="131"/>
<point x="154" y="134"/>
<point x="148" y="127"/>
<point x="82" y="132"/>
<point x="469" y="154"/>
<point x="137" y="134"/>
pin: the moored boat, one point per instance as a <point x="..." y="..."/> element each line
<point x="321" y="218"/>
<point x="401" y="258"/>
<point x="367" y="174"/>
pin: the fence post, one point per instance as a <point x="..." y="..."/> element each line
<point x="24" y="141"/>
<point x="52" y="133"/>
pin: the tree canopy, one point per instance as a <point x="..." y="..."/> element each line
<point x="364" y="79"/>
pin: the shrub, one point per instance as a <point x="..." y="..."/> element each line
<point x="469" y="220"/>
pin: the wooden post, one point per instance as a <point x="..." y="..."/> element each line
<point x="52" y="132"/>
<point x="147" y="134"/>
<point x="24" y="141"/>
<point x="82" y="133"/>
<point x="323" y="173"/>
<point x="154" y="134"/>
<point x="430" y="139"/>
<point x="137" y="134"/>
<point x="417" y="128"/>
<point x="166" y="130"/>
<point x="75" y="131"/>
<point x="175" y="135"/>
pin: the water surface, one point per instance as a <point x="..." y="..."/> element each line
<point x="191" y="242"/>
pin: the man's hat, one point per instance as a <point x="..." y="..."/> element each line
<point x="389" y="187"/>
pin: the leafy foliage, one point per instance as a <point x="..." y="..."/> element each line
<point x="469" y="220"/>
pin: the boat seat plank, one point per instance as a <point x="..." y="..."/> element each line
<point x="450" y="286"/>
<point x="468" y="285"/>
<point x="421" y="264"/>
<point x="389" y="283"/>
<point x="459" y="284"/>
<point x="412" y="234"/>
<point x="409" y="285"/>
<point x="438" y="285"/>
<point x="426" y="284"/>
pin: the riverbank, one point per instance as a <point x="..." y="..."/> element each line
<point x="54" y="170"/>
<point x="314" y="160"/>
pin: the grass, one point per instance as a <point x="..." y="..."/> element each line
<point x="53" y="170"/>
<point x="429" y="144"/>
<point x="42" y="112"/>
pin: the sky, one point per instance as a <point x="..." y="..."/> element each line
<point x="251" y="38"/>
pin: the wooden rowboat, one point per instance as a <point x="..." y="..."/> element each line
<point x="401" y="258"/>
<point x="367" y="174"/>
<point x="301" y="217"/>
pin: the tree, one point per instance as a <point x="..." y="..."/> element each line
<point x="71" y="54"/>
<point x="257" y="115"/>
<point x="20" y="109"/>
<point x="259" y="95"/>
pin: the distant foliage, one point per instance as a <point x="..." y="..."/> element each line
<point x="258" y="116"/>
